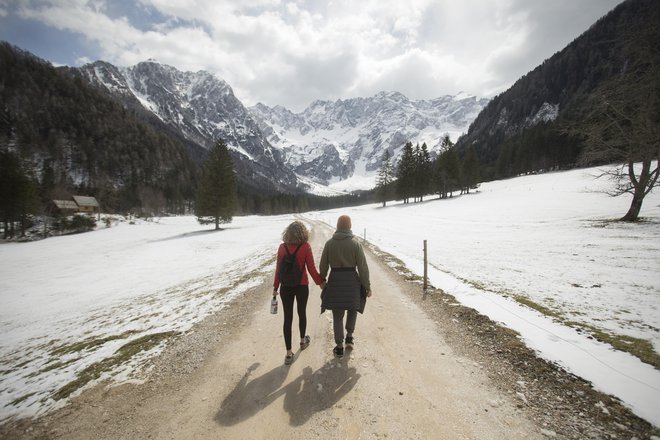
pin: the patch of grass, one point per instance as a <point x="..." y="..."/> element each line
<point x="52" y="366"/>
<point x="21" y="365"/>
<point x="640" y="348"/>
<point x="124" y="353"/>
<point x="538" y="307"/>
<point x="88" y="343"/>
<point x="21" y="399"/>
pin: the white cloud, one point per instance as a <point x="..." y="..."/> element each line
<point x="292" y="52"/>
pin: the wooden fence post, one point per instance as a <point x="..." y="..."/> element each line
<point x="426" y="273"/>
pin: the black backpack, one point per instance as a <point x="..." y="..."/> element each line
<point x="290" y="273"/>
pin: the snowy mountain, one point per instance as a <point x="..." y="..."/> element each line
<point x="338" y="143"/>
<point x="203" y="108"/>
<point x="341" y="143"/>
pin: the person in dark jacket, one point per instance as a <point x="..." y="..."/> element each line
<point x="295" y="236"/>
<point x="343" y="254"/>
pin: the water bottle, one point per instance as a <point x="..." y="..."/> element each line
<point x="273" y="305"/>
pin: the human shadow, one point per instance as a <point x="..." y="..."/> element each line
<point x="311" y="392"/>
<point x="319" y="390"/>
<point x="249" y="397"/>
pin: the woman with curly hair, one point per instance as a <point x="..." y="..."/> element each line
<point x="296" y="246"/>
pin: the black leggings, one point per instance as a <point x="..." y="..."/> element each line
<point x="301" y="294"/>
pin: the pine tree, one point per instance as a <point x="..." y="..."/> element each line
<point x="18" y="194"/>
<point x="470" y="169"/>
<point x="405" y="173"/>
<point x="446" y="143"/>
<point x="423" y="172"/>
<point x="385" y="179"/>
<point x="216" y="195"/>
<point x="453" y="168"/>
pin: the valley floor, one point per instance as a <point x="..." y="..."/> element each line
<point x="423" y="367"/>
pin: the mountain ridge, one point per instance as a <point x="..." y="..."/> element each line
<point x="203" y="108"/>
<point x="330" y="141"/>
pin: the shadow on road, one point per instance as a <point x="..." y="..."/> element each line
<point x="311" y="392"/>
<point x="319" y="390"/>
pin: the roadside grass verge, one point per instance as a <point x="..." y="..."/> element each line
<point x="123" y="354"/>
<point x="88" y="344"/>
<point x="640" y="348"/>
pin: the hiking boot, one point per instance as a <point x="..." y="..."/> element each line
<point x="338" y="351"/>
<point x="349" y="342"/>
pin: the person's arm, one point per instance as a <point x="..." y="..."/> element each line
<point x="323" y="265"/>
<point x="363" y="269"/>
<point x="276" y="282"/>
<point x="311" y="267"/>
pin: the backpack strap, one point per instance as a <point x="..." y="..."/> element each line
<point x="286" y="248"/>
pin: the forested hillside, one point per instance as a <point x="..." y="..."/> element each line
<point x="72" y="139"/>
<point x="525" y="128"/>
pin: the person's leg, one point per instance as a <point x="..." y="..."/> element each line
<point x="287" y="296"/>
<point x="302" y="295"/>
<point x="338" y="326"/>
<point x="351" y="319"/>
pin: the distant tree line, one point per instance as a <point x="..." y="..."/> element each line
<point x="416" y="175"/>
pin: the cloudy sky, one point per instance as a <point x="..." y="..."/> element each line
<point x="293" y="52"/>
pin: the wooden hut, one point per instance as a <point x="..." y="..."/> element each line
<point x="87" y="205"/>
<point x="62" y="208"/>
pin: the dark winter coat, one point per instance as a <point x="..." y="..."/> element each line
<point x="346" y="287"/>
<point x="343" y="291"/>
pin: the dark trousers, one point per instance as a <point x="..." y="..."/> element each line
<point x="288" y="294"/>
<point x="338" y="324"/>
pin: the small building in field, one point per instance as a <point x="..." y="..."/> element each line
<point x="87" y="205"/>
<point x="62" y="208"/>
<point x="79" y="204"/>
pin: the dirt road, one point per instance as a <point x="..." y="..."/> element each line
<point x="226" y="380"/>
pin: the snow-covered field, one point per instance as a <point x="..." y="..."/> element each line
<point x="71" y="301"/>
<point x="545" y="238"/>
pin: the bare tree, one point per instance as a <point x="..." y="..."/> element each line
<point x="623" y="125"/>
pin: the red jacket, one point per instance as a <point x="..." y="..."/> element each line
<point x="305" y="259"/>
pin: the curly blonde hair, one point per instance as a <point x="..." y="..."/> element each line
<point x="295" y="233"/>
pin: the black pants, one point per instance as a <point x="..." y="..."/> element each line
<point x="288" y="294"/>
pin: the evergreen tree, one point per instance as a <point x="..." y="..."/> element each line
<point x="385" y="179"/>
<point x="446" y="143"/>
<point x="18" y="194"/>
<point x="470" y="169"/>
<point x="423" y="171"/>
<point x="440" y="177"/>
<point x="216" y="195"/>
<point x="453" y="168"/>
<point x="405" y="173"/>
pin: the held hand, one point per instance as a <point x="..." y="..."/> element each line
<point x="322" y="285"/>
